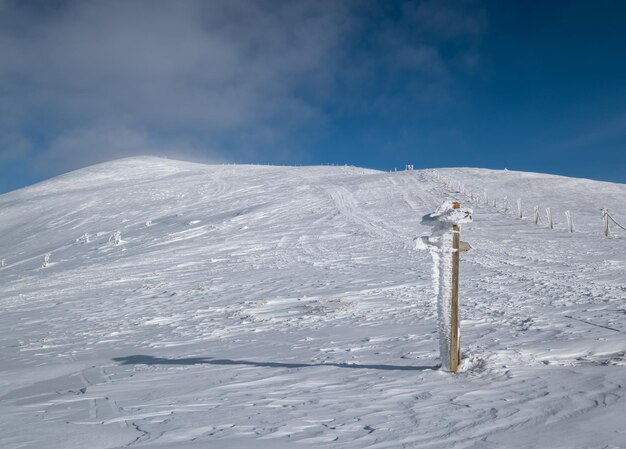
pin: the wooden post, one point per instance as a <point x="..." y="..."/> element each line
<point x="455" y="335"/>
<point x="605" y="215"/>
<point x="446" y="245"/>
<point x="519" y="208"/>
<point x="549" y="215"/>
<point x="570" y="223"/>
<point x="536" y="213"/>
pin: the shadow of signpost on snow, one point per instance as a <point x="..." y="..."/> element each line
<point x="151" y="360"/>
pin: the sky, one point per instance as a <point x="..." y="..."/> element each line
<point x="528" y="85"/>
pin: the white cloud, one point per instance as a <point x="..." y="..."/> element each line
<point x="101" y="142"/>
<point x="84" y="81"/>
<point x="201" y="67"/>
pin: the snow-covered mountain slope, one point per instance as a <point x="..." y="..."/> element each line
<point x="268" y="307"/>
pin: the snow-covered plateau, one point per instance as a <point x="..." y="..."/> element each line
<point x="192" y="306"/>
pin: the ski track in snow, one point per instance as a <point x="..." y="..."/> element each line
<point x="257" y="306"/>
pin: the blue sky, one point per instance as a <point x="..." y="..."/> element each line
<point x="535" y="86"/>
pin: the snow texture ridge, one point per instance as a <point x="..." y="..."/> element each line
<point x="186" y="305"/>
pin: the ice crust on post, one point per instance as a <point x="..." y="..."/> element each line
<point x="447" y="215"/>
<point x="439" y="244"/>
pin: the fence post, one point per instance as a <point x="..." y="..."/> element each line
<point x="486" y="198"/>
<point x="506" y="205"/>
<point x="536" y="214"/>
<point x="549" y="215"/>
<point x="570" y="223"/>
<point x="605" y="216"/>
<point x="519" y="208"/>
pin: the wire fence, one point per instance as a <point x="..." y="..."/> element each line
<point x="615" y="222"/>
<point x="457" y="187"/>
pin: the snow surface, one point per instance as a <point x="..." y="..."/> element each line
<point x="270" y="307"/>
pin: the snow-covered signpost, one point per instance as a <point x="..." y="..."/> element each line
<point x="444" y="244"/>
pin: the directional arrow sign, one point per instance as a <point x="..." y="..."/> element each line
<point x="464" y="246"/>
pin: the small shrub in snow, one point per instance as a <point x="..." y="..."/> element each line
<point x="116" y="238"/>
<point x="46" y="260"/>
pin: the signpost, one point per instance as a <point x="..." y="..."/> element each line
<point x="458" y="246"/>
<point x="455" y="322"/>
<point x="445" y="245"/>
